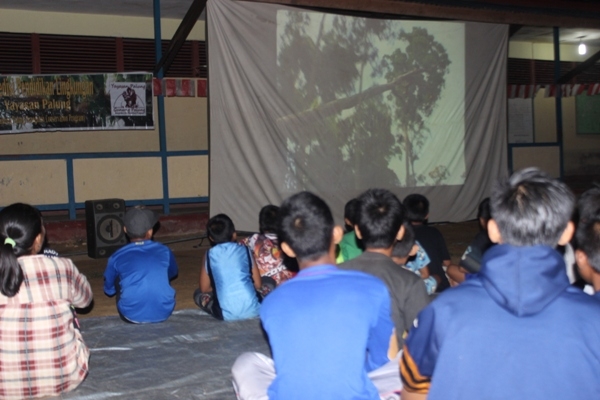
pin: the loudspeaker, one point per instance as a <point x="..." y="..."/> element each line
<point x="104" y="224"/>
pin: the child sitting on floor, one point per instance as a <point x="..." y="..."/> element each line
<point x="517" y="329"/>
<point x="408" y="248"/>
<point x="350" y="247"/>
<point x="430" y="239"/>
<point x="140" y="272"/>
<point x="470" y="262"/>
<point x="264" y="247"/>
<point x="587" y="254"/>
<point x="379" y="226"/>
<point x="320" y="349"/>
<point x="229" y="278"/>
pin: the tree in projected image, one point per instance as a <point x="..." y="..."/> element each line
<point x="357" y="107"/>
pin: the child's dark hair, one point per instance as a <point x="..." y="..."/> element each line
<point x="267" y="219"/>
<point x="483" y="211"/>
<point x="380" y="217"/>
<point x="20" y="225"/>
<point x="588" y="205"/>
<point x="220" y="229"/>
<point x="306" y="224"/>
<point x="531" y="208"/>
<point x="587" y="239"/>
<point x="351" y="211"/>
<point x="417" y="207"/>
<point x="403" y="247"/>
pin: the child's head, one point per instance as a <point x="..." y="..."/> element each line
<point x="405" y="248"/>
<point x="139" y="222"/>
<point x="587" y="240"/>
<point x="306" y="226"/>
<point x="350" y="212"/>
<point x="21" y="233"/>
<point x="267" y="219"/>
<point x="220" y="229"/>
<point x="588" y="205"/>
<point x="417" y="207"/>
<point x="379" y="219"/>
<point x="531" y="208"/>
<point x="484" y="213"/>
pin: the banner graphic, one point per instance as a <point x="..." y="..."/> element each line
<point x="32" y="103"/>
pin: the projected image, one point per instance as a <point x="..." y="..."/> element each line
<point x="371" y="101"/>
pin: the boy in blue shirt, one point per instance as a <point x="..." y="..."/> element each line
<point x="229" y="278"/>
<point x="329" y="329"/>
<point x="141" y="271"/>
<point x="517" y="329"/>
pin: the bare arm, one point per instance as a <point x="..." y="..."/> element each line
<point x="406" y="395"/>
<point x="256" y="276"/>
<point x="205" y="285"/>
<point x="424" y="272"/>
<point x="455" y="273"/>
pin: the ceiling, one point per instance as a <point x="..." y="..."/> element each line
<point x="177" y="9"/>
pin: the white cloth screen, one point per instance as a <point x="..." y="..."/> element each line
<point x="335" y="104"/>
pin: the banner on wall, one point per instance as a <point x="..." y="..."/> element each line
<point x="33" y="103"/>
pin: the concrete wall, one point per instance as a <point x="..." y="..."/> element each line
<point x="581" y="153"/>
<point x="44" y="182"/>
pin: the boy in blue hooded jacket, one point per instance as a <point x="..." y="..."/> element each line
<point x="518" y="329"/>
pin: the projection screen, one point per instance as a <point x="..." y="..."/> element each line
<point x="337" y="104"/>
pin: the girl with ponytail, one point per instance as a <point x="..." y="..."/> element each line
<point x="37" y="294"/>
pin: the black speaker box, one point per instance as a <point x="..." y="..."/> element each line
<point x="104" y="224"/>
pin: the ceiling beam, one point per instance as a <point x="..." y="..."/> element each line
<point x="184" y="29"/>
<point x="465" y="11"/>
<point x="579" y="69"/>
<point x="513" y="30"/>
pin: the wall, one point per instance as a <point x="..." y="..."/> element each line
<point x="581" y="153"/>
<point x="18" y="21"/>
<point x="45" y="182"/>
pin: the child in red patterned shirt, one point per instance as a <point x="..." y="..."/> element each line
<point x="265" y="250"/>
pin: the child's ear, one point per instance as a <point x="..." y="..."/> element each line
<point x="585" y="269"/>
<point x="38" y="243"/>
<point x="288" y="250"/>
<point x="494" y="232"/>
<point x="338" y="234"/>
<point x="357" y="231"/>
<point x="567" y="234"/>
<point x="400" y="233"/>
<point x="347" y="222"/>
<point x="234" y="237"/>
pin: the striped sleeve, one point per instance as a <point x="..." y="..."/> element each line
<point x="412" y="379"/>
<point x="420" y="353"/>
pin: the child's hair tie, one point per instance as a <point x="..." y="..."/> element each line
<point x="10" y="241"/>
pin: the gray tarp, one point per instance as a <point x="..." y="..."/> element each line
<point x="189" y="356"/>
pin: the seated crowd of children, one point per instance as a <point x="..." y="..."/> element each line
<point x="362" y="314"/>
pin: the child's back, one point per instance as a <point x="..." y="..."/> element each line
<point x="229" y="267"/>
<point x="143" y="270"/>
<point x="379" y="224"/>
<point x="229" y="278"/>
<point x="429" y="238"/>
<point x="264" y="247"/>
